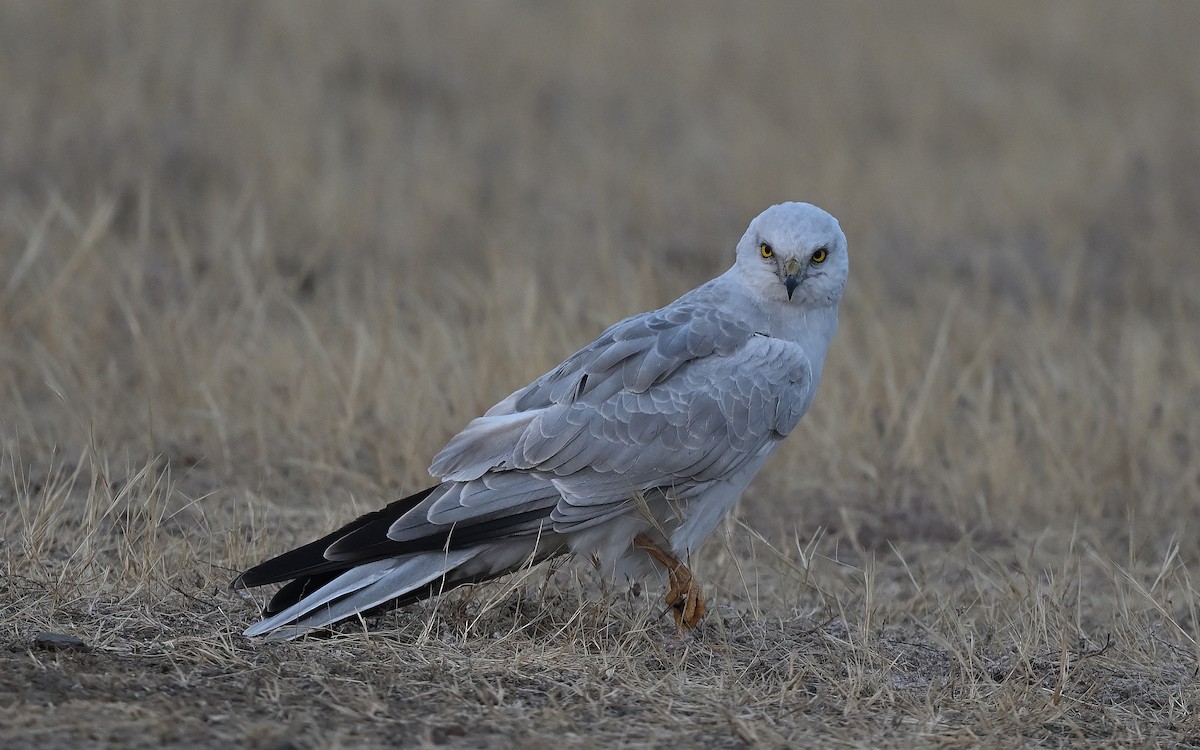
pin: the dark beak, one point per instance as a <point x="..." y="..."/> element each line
<point x="791" y="275"/>
<point x="790" y="282"/>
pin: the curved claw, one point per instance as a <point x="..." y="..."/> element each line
<point x="684" y="597"/>
<point x="688" y="605"/>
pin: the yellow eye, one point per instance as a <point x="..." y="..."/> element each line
<point x="820" y="255"/>
<point x="765" y="251"/>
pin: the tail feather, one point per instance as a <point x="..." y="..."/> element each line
<point x="403" y="577"/>
<point x="360" y="567"/>
<point x="297" y="589"/>
<point x="347" y="583"/>
<point x="311" y="560"/>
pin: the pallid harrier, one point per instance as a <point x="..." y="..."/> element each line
<point x="632" y="450"/>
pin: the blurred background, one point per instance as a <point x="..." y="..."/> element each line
<point x="408" y="129"/>
<point x="289" y="248"/>
<point x="260" y="260"/>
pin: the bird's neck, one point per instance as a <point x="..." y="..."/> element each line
<point x="810" y="327"/>
<point x="803" y="323"/>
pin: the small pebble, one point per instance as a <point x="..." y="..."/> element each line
<point x="58" y="642"/>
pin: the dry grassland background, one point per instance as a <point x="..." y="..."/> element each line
<point x="258" y="261"/>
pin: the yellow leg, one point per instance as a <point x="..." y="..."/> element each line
<point x="684" y="597"/>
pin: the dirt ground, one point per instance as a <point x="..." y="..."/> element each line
<point x="258" y="262"/>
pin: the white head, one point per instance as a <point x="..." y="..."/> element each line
<point x="795" y="254"/>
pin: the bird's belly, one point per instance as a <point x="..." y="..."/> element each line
<point x="685" y="522"/>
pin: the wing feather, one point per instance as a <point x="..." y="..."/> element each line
<point x="629" y="357"/>
<point x="673" y="398"/>
<point x="711" y="416"/>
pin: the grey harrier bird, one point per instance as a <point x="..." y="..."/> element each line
<point x="631" y="451"/>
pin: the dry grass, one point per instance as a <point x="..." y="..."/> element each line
<point x="258" y="261"/>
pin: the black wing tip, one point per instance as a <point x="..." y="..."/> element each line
<point x="311" y="559"/>
<point x="250" y="578"/>
<point x="291" y="564"/>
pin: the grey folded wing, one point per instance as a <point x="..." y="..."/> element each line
<point x="677" y="398"/>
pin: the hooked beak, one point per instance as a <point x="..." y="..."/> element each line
<point x="790" y="282"/>
<point x="791" y="278"/>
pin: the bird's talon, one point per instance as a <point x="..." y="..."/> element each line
<point x="683" y="596"/>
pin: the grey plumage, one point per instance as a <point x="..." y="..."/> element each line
<point x="655" y="427"/>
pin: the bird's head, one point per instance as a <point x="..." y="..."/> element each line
<point x="794" y="253"/>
